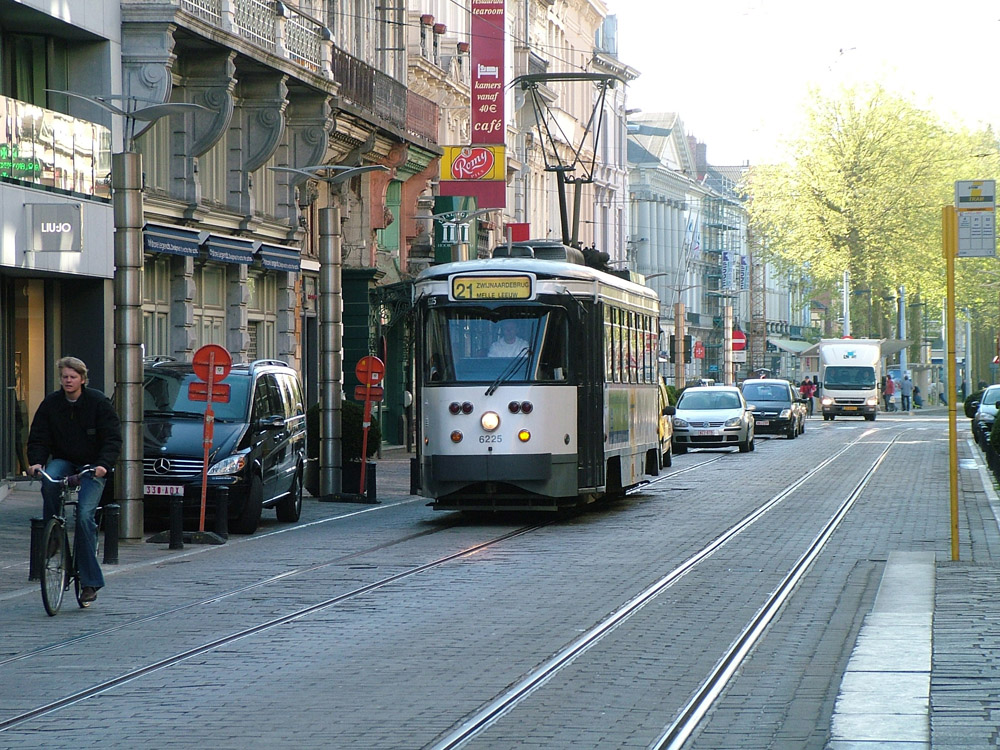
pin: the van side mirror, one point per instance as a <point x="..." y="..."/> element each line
<point x="669" y="411"/>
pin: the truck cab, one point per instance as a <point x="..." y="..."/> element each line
<point x="849" y="373"/>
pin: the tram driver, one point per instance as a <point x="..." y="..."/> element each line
<point x="510" y="343"/>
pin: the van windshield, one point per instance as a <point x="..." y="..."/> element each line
<point x="478" y="345"/>
<point x="165" y="393"/>
<point x="849" y="378"/>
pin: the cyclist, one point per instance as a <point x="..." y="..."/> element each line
<point x="73" y="427"/>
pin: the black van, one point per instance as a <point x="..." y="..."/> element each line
<point x="258" y="449"/>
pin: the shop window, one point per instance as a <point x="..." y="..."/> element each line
<point x="156" y="306"/>
<point x="262" y="307"/>
<point x="209" y="308"/>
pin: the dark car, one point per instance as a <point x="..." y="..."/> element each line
<point x="258" y="449"/>
<point x="778" y="410"/>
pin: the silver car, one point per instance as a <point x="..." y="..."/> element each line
<point x="713" y="417"/>
<point x="986" y="414"/>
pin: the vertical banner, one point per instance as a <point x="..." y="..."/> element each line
<point x="488" y="72"/>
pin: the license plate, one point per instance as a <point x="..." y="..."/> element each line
<point x="763" y="422"/>
<point x="163" y="489"/>
<point x="850" y="408"/>
<point x="708" y="432"/>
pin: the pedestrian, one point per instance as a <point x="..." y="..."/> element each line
<point x="888" y="390"/>
<point x="76" y="426"/>
<point x="918" y="402"/>
<point x="905" y="392"/>
<point x="806" y="393"/>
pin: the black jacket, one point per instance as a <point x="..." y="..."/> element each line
<point x="86" y="431"/>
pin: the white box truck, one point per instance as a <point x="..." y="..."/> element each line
<point x="849" y="374"/>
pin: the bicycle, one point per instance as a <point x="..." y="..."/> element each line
<point x="58" y="566"/>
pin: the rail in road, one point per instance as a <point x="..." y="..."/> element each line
<point x="675" y="729"/>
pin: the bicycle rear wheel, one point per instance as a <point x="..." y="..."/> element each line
<point x="53" y="570"/>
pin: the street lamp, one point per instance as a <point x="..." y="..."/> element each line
<point x="126" y="197"/>
<point x="331" y="321"/>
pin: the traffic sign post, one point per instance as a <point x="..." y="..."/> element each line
<point x="212" y="364"/>
<point x="370" y="370"/>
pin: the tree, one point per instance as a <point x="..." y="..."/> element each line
<point x="863" y="192"/>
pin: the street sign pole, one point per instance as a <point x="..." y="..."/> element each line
<point x="950" y="240"/>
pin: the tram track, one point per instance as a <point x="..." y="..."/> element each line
<point x="570" y="652"/>
<point x="676" y="733"/>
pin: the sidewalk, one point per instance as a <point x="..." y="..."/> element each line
<point x="925" y="669"/>
<point x="20" y="501"/>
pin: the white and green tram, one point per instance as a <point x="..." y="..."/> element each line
<point x="536" y="384"/>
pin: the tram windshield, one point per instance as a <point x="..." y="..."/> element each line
<point x="509" y="344"/>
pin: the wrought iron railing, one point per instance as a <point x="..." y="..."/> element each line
<point x="304" y="37"/>
<point x="421" y="116"/>
<point x="208" y="10"/>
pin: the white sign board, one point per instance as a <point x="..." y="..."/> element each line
<point x="975" y="204"/>
<point x="740" y="356"/>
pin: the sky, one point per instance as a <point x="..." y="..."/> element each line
<point x="738" y="72"/>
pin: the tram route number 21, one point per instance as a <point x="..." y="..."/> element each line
<point x="490" y="287"/>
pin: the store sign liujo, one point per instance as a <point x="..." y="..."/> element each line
<point x="55" y="227"/>
<point x="473" y="163"/>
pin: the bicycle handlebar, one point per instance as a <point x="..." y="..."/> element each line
<point x="73" y="480"/>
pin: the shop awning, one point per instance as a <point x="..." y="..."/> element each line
<point x="279" y="258"/>
<point x="229" y="249"/>
<point x="790" y="345"/>
<point x="164" y="238"/>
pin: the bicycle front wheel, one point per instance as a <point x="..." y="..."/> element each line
<point x="54" y="569"/>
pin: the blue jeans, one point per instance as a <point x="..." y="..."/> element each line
<point x="85" y="538"/>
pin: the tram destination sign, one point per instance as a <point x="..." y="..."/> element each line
<point x="470" y="287"/>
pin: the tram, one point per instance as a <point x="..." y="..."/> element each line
<point x="536" y="383"/>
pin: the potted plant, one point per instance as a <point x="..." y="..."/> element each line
<point x="351" y="438"/>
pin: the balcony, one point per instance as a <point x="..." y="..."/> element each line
<point x="273" y="26"/>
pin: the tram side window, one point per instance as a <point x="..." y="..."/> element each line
<point x="553" y="364"/>
<point x="609" y="354"/>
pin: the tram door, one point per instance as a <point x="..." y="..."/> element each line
<point x="590" y="395"/>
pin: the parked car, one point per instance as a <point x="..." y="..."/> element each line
<point x="258" y="450"/>
<point x="713" y="417"/>
<point x="666" y="427"/>
<point x="986" y="413"/>
<point x="778" y="410"/>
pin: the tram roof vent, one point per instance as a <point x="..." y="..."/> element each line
<point x="540" y="250"/>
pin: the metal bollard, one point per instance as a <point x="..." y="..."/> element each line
<point x="176" y="522"/>
<point x="112" y="519"/>
<point x="370" y="493"/>
<point x="35" y="563"/>
<point x="222" y="512"/>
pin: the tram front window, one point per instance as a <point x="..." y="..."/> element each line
<point x="475" y="346"/>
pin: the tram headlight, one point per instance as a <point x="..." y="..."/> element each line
<point x="490" y="421"/>
<point x="456" y="436"/>
<point x="524" y="436"/>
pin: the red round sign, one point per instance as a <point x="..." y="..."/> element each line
<point x="739" y="341"/>
<point x="212" y="355"/>
<point x="370" y="370"/>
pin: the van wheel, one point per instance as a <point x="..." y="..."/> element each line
<point x="290" y="508"/>
<point x="249" y="518"/>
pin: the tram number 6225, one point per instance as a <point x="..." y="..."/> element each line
<point x="491" y="438"/>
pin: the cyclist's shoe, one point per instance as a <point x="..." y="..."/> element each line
<point x="88" y="595"/>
